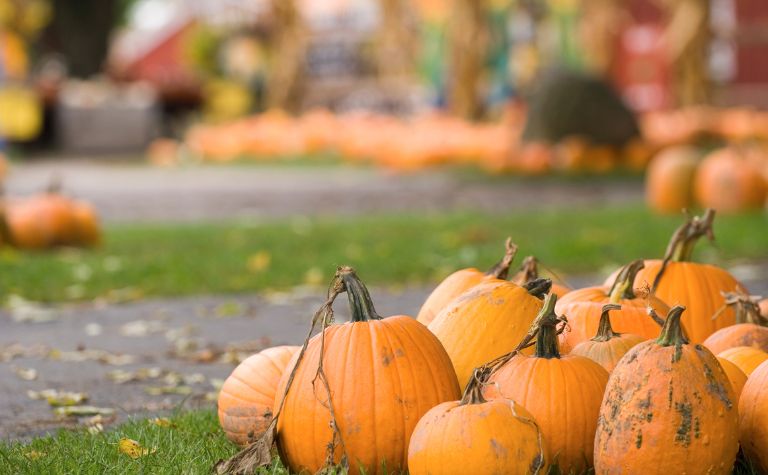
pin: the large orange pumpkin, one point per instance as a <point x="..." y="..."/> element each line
<point x="486" y="322"/>
<point x="484" y="437"/>
<point x="563" y="393"/>
<point x="583" y="308"/>
<point x="698" y="287"/>
<point x="383" y="375"/>
<point x="607" y="347"/>
<point x="668" y="408"/>
<point x="529" y="271"/>
<point x="729" y="183"/>
<point x="753" y="418"/>
<point x="751" y="329"/>
<point x="745" y="357"/>
<point x="248" y="394"/>
<point x="461" y="281"/>
<point x="735" y="375"/>
<point x="669" y="179"/>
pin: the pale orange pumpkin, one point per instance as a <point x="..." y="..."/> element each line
<point x="735" y="375"/>
<point x="727" y="182"/>
<point x="246" y="399"/>
<point x="669" y="179"/>
<point x="745" y="357"/>
<point x="607" y="347"/>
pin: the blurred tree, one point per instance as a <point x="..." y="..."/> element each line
<point x="396" y="39"/>
<point x="287" y="50"/>
<point x="468" y="43"/>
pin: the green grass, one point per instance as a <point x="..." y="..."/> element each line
<point x="232" y="257"/>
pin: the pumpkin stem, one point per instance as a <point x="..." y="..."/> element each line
<point x="547" y="345"/>
<point x="361" y="307"/>
<point x="529" y="270"/>
<point x="538" y="287"/>
<point x="604" y="330"/>
<point x="680" y="247"/>
<point x="473" y="393"/>
<point x="501" y="269"/>
<point x="623" y="286"/>
<point x="745" y="306"/>
<point x="672" y="333"/>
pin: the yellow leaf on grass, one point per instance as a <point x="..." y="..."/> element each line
<point x="34" y="454"/>
<point x="133" y="449"/>
<point x="259" y="262"/>
<point x="162" y="422"/>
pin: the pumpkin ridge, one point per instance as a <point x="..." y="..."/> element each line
<point x="398" y="391"/>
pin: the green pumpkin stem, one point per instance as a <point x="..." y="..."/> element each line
<point x="538" y="287"/>
<point x="361" y="307"/>
<point x="604" y="329"/>
<point x="623" y="286"/>
<point x="672" y="333"/>
<point x="680" y="247"/>
<point x="501" y="269"/>
<point x="547" y="345"/>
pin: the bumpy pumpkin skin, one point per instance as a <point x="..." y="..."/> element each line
<point x="484" y="323"/>
<point x="735" y="375"/>
<point x="450" y="288"/>
<point x="667" y="409"/>
<point x="745" y="357"/>
<point x="753" y="418"/>
<point x="248" y="394"/>
<point x="384" y="375"/>
<point x="740" y="334"/>
<point x="497" y="436"/>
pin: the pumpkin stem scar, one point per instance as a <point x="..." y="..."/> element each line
<point x="604" y="330"/>
<point x="672" y="332"/>
<point x="623" y="286"/>
<point x="501" y="269"/>
<point x="538" y="288"/>
<point x="680" y="247"/>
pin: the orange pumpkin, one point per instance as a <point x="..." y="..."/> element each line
<point x="668" y="408"/>
<point x="486" y="322"/>
<point x="563" y="393"/>
<point x="496" y="436"/>
<point x="461" y="281"/>
<point x="753" y="419"/>
<point x="607" y="347"/>
<point x="529" y="271"/>
<point x="248" y="394"/>
<point x="584" y="307"/>
<point x="763" y="304"/>
<point x="88" y="229"/>
<point x="699" y="287"/>
<point x="725" y="181"/>
<point x="735" y="375"/>
<point x="750" y="331"/>
<point x="745" y="357"/>
<point x="669" y="179"/>
<point x="383" y="375"/>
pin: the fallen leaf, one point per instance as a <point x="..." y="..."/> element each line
<point x="94" y="429"/>
<point x="93" y="329"/>
<point x="23" y="310"/>
<point x="259" y="262"/>
<point x="94" y="355"/>
<point x="57" y="398"/>
<point x="139" y="328"/>
<point x="121" y="376"/>
<point x="229" y="309"/>
<point x="34" y="454"/>
<point x="27" y="374"/>
<point x="83" y="411"/>
<point x="17" y="350"/>
<point x="162" y="422"/>
<point x="133" y="449"/>
<point x="161" y="390"/>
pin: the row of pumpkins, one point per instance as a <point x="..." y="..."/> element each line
<point x="518" y="375"/>
<point x="730" y="179"/>
<point x="435" y="139"/>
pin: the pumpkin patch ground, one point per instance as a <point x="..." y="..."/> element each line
<point x="114" y="356"/>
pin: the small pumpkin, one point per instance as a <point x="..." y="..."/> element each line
<point x="248" y="394"/>
<point x="607" y="347"/>
<point x="669" y="179"/>
<point x="735" y="375"/>
<point x="668" y="408"/>
<point x="729" y="183"/>
<point x="486" y="322"/>
<point x="496" y="436"/>
<point x="463" y="280"/>
<point x="753" y="418"/>
<point x="583" y="309"/>
<point x="86" y="222"/>
<point x="751" y="329"/>
<point x="677" y="280"/>
<point x="745" y="357"/>
<point x="529" y="271"/>
<point x="382" y="374"/>
<point x="563" y="393"/>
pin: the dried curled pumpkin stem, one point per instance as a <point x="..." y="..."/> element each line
<point x="501" y="269"/>
<point x="538" y="288"/>
<point x="604" y="330"/>
<point x="529" y="270"/>
<point x="672" y="333"/>
<point x="745" y="306"/>
<point x="680" y="247"/>
<point x="473" y="393"/>
<point x="623" y="286"/>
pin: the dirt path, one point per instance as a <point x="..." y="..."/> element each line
<point x="131" y="192"/>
